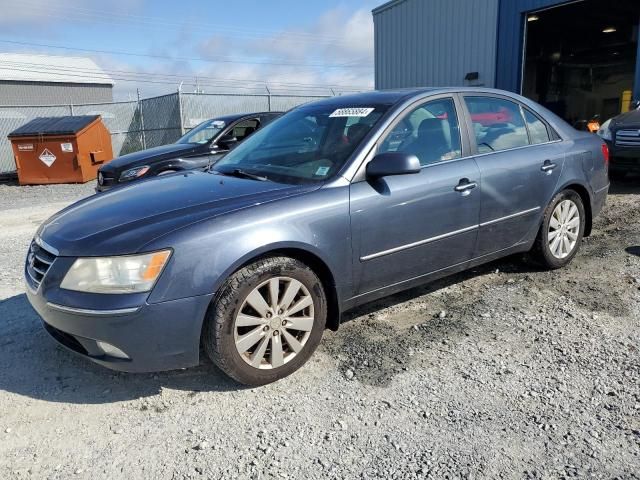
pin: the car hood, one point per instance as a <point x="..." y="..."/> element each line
<point x="155" y="154"/>
<point x="628" y="120"/>
<point x="125" y="220"/>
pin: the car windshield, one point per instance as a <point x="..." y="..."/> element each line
<point x="203" y="133"/>
<point x="307" y="145"/>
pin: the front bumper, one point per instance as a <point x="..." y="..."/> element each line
<point x="625" y="164"/>
<point x="625" y="158"/>
<point x="106" y="181"/>
<point x="102" y="188"/>
<point x="105" y="186"/>
<point x="154" y="337"/>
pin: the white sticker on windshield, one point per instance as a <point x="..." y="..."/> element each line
<point x="322" y="171"/>
<point x="218" y="124"/>
<point x="352" y="112"/>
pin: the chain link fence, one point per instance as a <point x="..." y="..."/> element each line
<point x="146" y="123"/>
<point x="123" y="120"/>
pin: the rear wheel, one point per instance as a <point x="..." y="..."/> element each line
<point x="562" y="230"/>
<point x="266" y="321"/>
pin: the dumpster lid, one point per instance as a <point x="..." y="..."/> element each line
<point x="54" y="125"/>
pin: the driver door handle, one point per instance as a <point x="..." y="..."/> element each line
<point x="465" y="185"/>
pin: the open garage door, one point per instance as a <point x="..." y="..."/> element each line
<point x="580" y="58"/>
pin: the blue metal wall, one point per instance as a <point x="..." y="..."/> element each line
<point x="435" y="42"/>
<point x="426" y="43"/>
<point x="511" y="21"/>
<point x="511" y="27"/>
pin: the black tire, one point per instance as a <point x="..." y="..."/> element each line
<point x="219" y="327"/>
<point x="541" y="251"/>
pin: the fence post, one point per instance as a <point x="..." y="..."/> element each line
<point x="140" y="109"/>
<point x="268" y="96"/>
<point x="71" y="109"/>
<point x="180" y="111"/>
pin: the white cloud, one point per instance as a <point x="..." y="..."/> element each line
<point x="341" y="40"/>
<point x="337" y="38"/>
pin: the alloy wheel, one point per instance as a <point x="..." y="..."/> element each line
<point x="273" y="323"/>
<point x="564" y="228"/>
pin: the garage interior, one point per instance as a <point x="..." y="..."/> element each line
<point x="580" y="58"/>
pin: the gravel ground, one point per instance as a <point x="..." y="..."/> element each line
<point x="13" y="196"/>
<point x="501" y="372"/>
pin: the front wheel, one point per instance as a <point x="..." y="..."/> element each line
<point x="562" y="230"/>
<point x="266" y="321"/>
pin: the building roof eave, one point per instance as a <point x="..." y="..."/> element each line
<point x="386" y="6"/>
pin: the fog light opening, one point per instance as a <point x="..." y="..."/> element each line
<point x="112" y="351"/>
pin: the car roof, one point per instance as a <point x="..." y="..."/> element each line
<point x="403" y="95"/>
<point x="237" y="116"/>
<point x="395" y="96"/>
<point x="377" y="97"/>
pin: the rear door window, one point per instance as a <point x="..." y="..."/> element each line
<point x="497" y="123"/>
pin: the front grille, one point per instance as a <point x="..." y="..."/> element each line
<point x="628" y="138"/>
<point x="39" y="259"/>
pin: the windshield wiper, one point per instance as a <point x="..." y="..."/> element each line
<point x="238" y="172"/>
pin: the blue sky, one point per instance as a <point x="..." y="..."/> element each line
<point x="226" y="45"/>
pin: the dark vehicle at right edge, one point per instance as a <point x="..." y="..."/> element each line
<point x="622" y="134"/>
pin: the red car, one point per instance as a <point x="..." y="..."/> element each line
<point x="487" y="118"/>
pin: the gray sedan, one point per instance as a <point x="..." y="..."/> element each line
<point x="337" y="203"/>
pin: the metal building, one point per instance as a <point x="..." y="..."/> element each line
<point x="50" y="80"/>
<point x="435" y="42"/>
<point x="578" y="57"/>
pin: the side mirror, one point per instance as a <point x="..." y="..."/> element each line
<point x="392" y="163"/>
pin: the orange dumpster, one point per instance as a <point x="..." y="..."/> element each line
<point x="60" y="149"/>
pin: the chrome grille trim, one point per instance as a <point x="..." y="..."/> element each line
<point x="33" y="279"/>
<point x="39" y="260"/>
<point x="85" y="311"/>
<point x="41" y="272"/>
<point x="42" y="259"/>
<point x="628" y="138"/>
<point x="47" y="248"/>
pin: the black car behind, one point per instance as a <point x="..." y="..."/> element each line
<point x="198" y="149"/>
<point x="622" y="134"/>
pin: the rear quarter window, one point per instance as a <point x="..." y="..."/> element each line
<point x="538" y="131"/>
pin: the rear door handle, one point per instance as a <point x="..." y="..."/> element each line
<point x="465" y="185"/>
<point x="547" y="166"/>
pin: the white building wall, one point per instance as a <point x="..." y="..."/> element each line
<point x="53" y="93"/>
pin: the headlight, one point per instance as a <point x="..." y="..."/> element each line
<point x="126" y="274"/>
<point x="604" y="131"/>
<point x="133" y="173"/>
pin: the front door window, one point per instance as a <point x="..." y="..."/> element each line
<point x="431" y="132"/>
